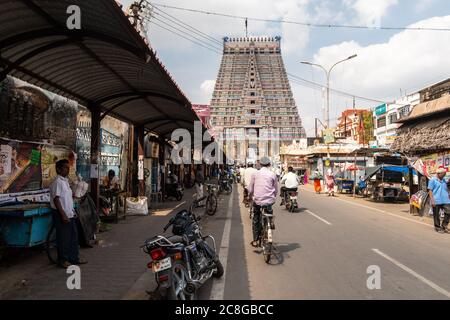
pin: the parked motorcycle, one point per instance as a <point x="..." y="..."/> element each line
<point x="182" y="263"/>
<point x="174" y="191"/>
<point x="290" y="200"/>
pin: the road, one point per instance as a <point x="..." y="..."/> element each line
<point x="327" y="248"/>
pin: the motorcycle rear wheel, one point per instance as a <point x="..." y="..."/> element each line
<point x="179" y="278"/>
<point x="219" y="269"/>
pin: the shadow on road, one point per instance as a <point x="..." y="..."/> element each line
<point x="280" y="253"/>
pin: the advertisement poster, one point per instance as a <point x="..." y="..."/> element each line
<point x="52" y="154"/>
<point x="434" y="161"/>
<point x="20" y="166"/>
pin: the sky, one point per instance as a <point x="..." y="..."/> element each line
<point x="389" y="62"/>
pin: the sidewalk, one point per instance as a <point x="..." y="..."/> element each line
<point x="114" y="265"/>
<point x="400" y="209"/>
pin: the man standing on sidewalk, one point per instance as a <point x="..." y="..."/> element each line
<point x="440" y="200"/>
<point x="64" y="217"/>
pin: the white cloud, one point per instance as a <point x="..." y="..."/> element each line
<point x="207" y="89"/>
<point x="422" y="5"/>
<point x="370" y="12"/>
<point x="409" y="60"/>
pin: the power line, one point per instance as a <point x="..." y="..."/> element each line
<point x="305" y="24"/>
<point x="182" y="36"/>
<point x="186" y="26"/>
<point x="212" y="46"/>
<point x="298" y="79"/>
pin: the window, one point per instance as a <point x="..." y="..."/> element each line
<point x="252" y="121"/>
<point x="252" y="111"/>
<point x="252" y="94"/>
<point x="393" y="118"/>
<point x="381" y="122"/>
<point x="404" y="112"/>
<point x="252" y="102"/>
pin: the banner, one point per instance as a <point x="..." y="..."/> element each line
<point x="51" y="154"/>
<point x="432" y="162"/>
<point x="20" y="166"/>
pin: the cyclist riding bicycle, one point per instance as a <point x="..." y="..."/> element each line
<point x="263" y="189"/>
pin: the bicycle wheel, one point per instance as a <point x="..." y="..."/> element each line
<point x="266" y="246"/>
<point x="50" y="245"/>
<point x="211" y="205"/>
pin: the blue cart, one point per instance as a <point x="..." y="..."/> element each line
<point x="25" y="225"/>
<point x="345" y="185"/>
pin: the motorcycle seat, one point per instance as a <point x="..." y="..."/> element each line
<point x="178" y="239"/>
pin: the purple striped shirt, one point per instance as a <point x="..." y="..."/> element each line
<point x="263" y="187"/>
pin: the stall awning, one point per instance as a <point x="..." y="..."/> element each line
<point x="371" y="171"/>
<point x="106" y="64"/>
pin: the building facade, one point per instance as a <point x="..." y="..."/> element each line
<point x="253" y="100"/>
<point x="386" y="117"/>
<point x="350" y="125"/>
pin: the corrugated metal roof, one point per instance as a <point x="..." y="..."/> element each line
<point x="106" y="63"/>
<point x="428" y="108"/>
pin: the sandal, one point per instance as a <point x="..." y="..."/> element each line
<point x="255" y="244"/>
<point x="65" y="264"/>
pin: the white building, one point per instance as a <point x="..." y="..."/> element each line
<point x="387" y="115"/>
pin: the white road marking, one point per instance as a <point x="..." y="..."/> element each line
<point x="413" y="273"/>
<point x="380" y="211"/>
<point x="316" y="216"/>
<point x="218" y="287"/>
<point x="388" y="213"/>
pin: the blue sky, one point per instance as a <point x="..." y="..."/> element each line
<point x="387" y="62"/>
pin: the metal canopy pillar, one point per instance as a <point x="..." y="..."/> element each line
<point x="140" y="153"/>
<point x="138" y="188"/>
<point x="95" y="152"/>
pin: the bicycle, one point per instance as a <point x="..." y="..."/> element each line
<point x="250" y="209"/>
<point x="266" y="239"/>
<point x="211" y="201"/>
<point x="50" y="245"/>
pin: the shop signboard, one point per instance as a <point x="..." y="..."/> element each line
<point x="373" y="144"/>
<point x="380" y="110"/>
<point x="433" y="161"/>
<point x="328" y="136"/>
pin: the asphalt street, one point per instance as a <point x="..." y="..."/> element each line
<point x="328" y="250"/>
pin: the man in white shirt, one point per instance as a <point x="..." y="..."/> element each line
<point x="64" y="217"/>
<point x="289" y="182"/>
<point x="249" y="172"/>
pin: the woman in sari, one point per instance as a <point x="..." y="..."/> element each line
<point x="329" y="180"/>
<point x="317" y="184"/>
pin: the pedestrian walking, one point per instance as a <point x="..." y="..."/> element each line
<point x="317" y="184"/>
<point x="329" y="180"/>
<point x="440" y="200"/>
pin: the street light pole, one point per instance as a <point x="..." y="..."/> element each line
<point x="328" y="74"/>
